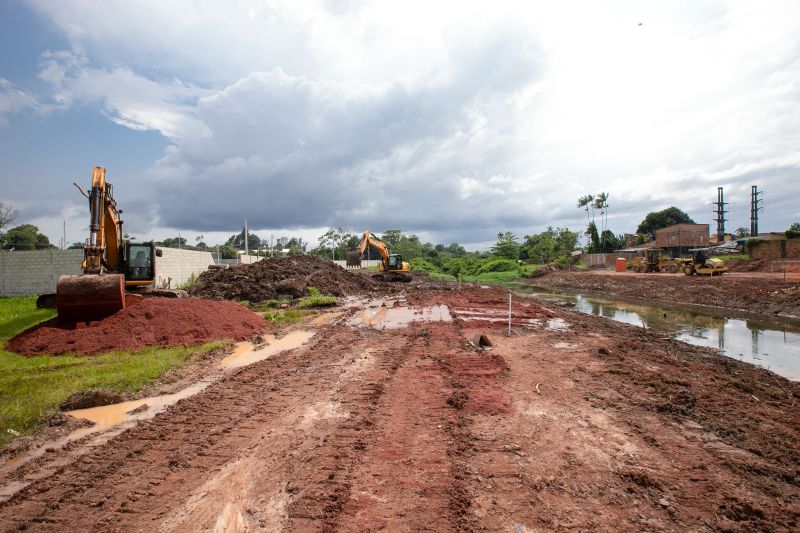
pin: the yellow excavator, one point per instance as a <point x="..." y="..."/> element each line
<point x="111" y="264"/>
<point x="392" y="267"/>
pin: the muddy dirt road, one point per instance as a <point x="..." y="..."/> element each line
<point x="754" y="292"/>
<point x="382" y="423"/>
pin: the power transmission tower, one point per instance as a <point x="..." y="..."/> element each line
<point x="755" y="208"/>
<point x="719" y="211"/>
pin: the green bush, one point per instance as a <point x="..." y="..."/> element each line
<point x="419" y="263"/>
<point x="188" y="283"/>
<point x="499" y="265"/>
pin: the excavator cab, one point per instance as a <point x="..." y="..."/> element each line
<point x="395" y="262"/>
<point x="139" y="260"/>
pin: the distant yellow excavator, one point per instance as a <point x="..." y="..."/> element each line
<point x="392" y="267"/>
<point x="110" y="265"/>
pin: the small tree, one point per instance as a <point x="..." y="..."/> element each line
<point x="506" y="246"/>
<point x="741" y="233"/>
<point x="391" y="236"/>
<point x="794" y="231"/>
<point x="662" y="219"/>
<point x="26" y="237"/>
<point x="7" y="215"/>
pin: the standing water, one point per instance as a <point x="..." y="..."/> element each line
<point x="774" y="346"/>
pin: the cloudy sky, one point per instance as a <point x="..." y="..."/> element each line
<point x="453" y="120"/>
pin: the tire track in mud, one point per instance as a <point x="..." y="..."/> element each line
<point x="362" y="429"/>
<point x="133" y="481"/>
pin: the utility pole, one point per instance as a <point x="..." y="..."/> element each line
<point x="246" y="247"/>
<point x="754" y="209"/>
<point x="719" y="211"/>
<point x="64" y="242"/>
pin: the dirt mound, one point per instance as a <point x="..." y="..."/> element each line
<point x="747" y="265"/>
<point x="153" y="322"/>
<point x="270" y="278"/>
<point x="554" y="267"/>
<point x="91" y="398"/>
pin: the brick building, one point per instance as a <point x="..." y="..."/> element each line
<point x="679" y="239"/>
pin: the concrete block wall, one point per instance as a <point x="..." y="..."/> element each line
<point x="606" y="260"/>
<point x="36" y="271"/>
<point x="364" y="263"/>
<point x="776" y="249"/>
<point x="175" y="266"/>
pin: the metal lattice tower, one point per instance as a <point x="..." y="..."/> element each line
<point x="754" y="209"/>
<point x="720" y="212"/>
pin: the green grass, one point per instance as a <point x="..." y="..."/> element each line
<point x="261" y="307"/>
<point x="441" y="276"/>
<point x="287" y="316"/>
<point x="317" y="301"/>
<point x="493" y="278"/>
<point x="744" y="257"/>
<point x="32" y="388"/>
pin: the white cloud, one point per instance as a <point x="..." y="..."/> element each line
<point x="454" y="118"/>
<point x="13" y="100"/>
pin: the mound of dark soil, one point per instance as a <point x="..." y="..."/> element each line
<point x="153" y="322"/>
<point x="553" y="267"/>
<point x="91" y="398"/>
<point x="269" y="279"/>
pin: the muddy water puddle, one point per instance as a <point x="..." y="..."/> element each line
<point x="774" y="346"/>
<point x="399" y="317"/>
<point x="246" y="354"/>
<point x="501" y="316"/>
<point x="115" y="418"/>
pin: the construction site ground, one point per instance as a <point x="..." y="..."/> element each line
<point x="390" y="418"/>
<point x="769" y="294"/>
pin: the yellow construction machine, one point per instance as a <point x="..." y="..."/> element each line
<point x="110" y="265"/>
<point x="701" y="263"/>
<point x="392" y="267"/>
<point x="654" y="260"/>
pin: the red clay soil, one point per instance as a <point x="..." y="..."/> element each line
<point x="599" y="426"/>
<point x="292" y="276"/>
<point x="153" y="322"/>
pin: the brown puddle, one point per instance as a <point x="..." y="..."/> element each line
<point x="400" y="317"/>
<point x="245" y="354"/>
<point x="326" y="318"/>
<point x="121" y="416"/>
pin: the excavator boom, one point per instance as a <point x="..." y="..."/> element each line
<point x="107" y="267"/>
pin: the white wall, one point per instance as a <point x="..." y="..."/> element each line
<point x="36" y="271"/>
<point x="175" y="266"/>
<point x="364" y="263"/>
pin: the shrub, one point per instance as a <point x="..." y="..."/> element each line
<point x="498" y="265"/>
<point x="419" y="263"/>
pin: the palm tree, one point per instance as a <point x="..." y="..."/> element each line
<point x="586" y="202"/>
<point x="601" y="202"/>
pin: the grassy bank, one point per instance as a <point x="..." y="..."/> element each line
<point x="32" y="388"/>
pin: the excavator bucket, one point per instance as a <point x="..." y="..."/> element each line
<point x="89" y="297"/>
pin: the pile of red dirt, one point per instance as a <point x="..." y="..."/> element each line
<point x="269" y="279"/>
<point x="153" y="322"/>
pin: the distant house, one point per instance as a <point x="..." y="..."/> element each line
<point x="680" y="238"/>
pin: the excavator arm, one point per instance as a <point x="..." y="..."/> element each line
<point x="102" y="253"/>
<point x="371" y="240"/>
